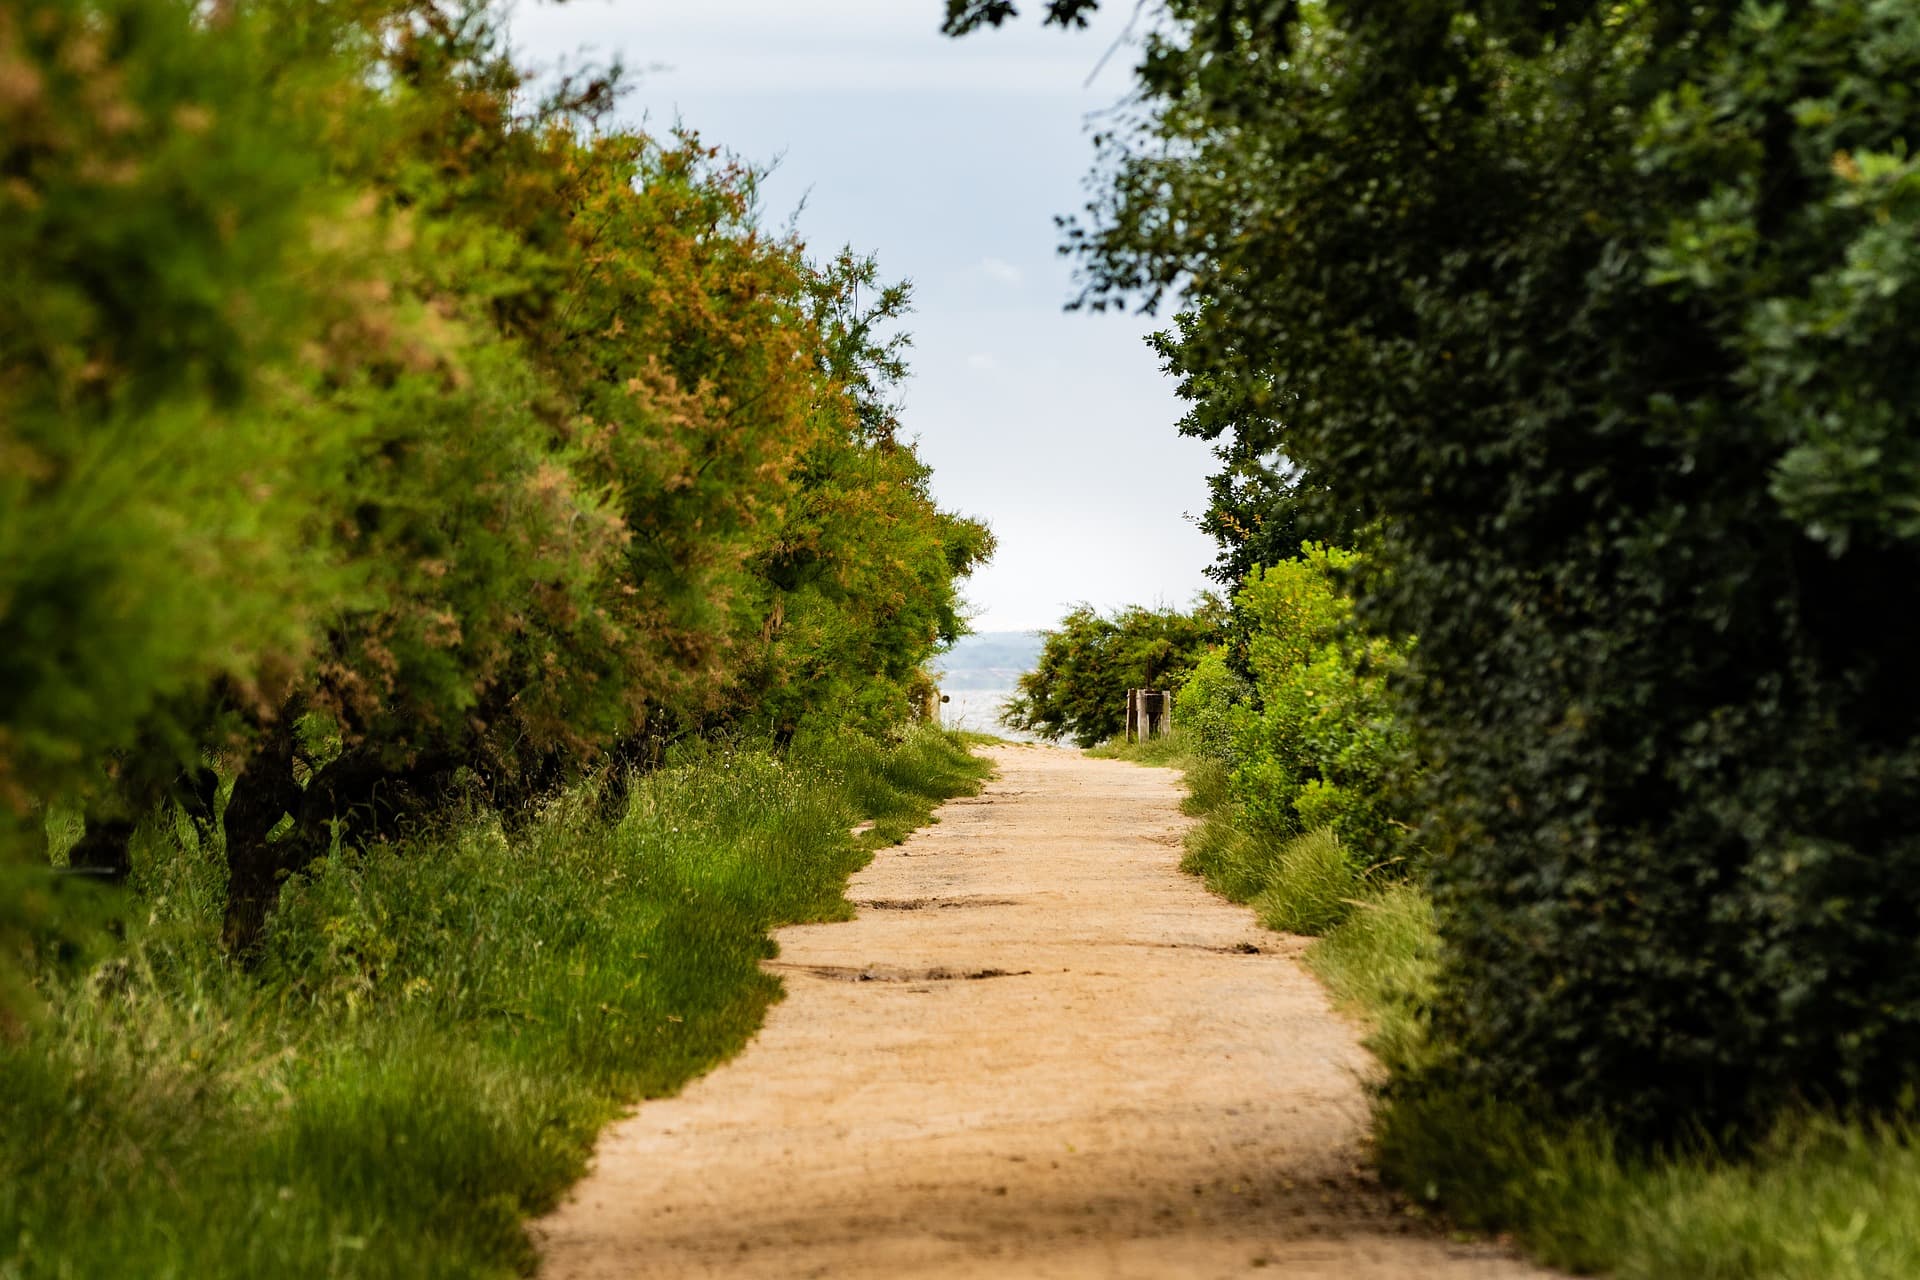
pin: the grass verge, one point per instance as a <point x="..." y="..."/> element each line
<point x="438" y="1029"/>
<point x="1820" y="1198"/>
<point x="1168" y="749"/>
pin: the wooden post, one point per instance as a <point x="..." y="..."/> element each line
<point x="1149" y="714"/>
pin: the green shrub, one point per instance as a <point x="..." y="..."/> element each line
<point x="159" y="225"/>
<point x="1203" y="709"/>
<point x="354" y="393"/>
<point x="1318" y="745"/>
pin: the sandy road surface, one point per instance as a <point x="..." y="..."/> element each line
<point x="1039" y="1051"/>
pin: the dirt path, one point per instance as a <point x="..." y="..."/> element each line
<point x="1040" y="1051"/>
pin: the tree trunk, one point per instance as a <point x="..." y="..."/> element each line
<point x="264" y="793"/>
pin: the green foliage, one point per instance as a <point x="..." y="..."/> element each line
<point x="157" y="218"/>
<point x="437" y="1028"/>
<point x="1203" y="709"/>
<point x="1818" y="1197"/>
<point x="1078" y="688"/>
<point x="1318" y="744"/>
<point x="1261" y="505"/>
<point x="1602" y="317"/>
<point x="350" y="391"/>
<point x="861" y="580"/>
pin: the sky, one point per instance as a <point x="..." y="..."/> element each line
<point x="948" y="160"/>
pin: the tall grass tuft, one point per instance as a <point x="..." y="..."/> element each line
<point x="1304" y="884"/>
<point x="1311" y="886"/>
<point x="436" y="1028"/>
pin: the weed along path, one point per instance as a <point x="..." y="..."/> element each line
<point x="1040" y="1050"/>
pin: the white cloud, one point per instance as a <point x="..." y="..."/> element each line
<point x="981" y="362"/>
<point x="1000" y="271"/>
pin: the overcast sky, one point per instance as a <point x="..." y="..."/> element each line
<point x="948" y="160"/>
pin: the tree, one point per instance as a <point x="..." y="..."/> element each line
<point x="1079" y="687"/>
<point x="373" y="429"/>
<point x="1262" y="506"/>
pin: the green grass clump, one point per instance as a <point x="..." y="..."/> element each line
<point x="1380" y="961"/>
<point x="1311" y="886"/>
<point x="1298" y="884"/>
<point x="1209" y="784"/>
<point x="1167" y="749"/>
<point x="436" y="1029"/>
<point x="1820" y="1198"/>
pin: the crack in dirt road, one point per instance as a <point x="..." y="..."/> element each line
<point x="1156" y="1089"/>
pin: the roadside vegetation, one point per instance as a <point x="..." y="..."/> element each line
<point x="374" y="422"/>
<point x="1588" y="329"/>
<point x="1821" y="1195"/>
<point x="461" y="579"/>
<point x="435" y="1029"/>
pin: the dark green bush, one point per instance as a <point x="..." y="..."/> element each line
<point x="1603" y="316"/>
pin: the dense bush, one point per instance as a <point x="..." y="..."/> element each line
<point x="373" y="429"/>
<point x="1309" y="737"/>
<point x="1318" y="744"/>
<point x="1603" y="317"/>
<point x="158" y="220"/>
<point x="1204" y="707"/>
<point x="1078" y="689"/>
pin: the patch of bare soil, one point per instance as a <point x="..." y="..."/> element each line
<point x="1149" y="1086"/>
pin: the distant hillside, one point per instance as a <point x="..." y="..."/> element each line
<point x="991" y="660"/>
